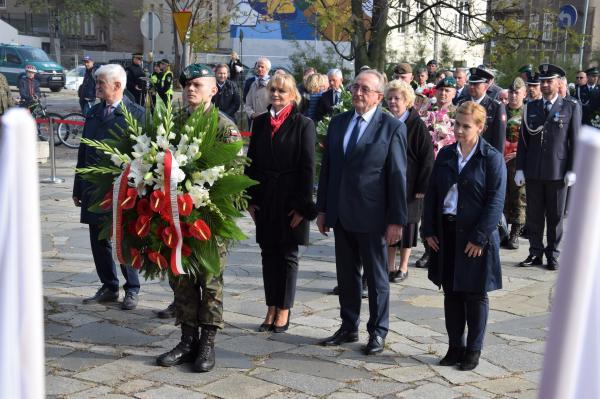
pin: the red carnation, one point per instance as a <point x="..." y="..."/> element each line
<point x="157" y="201"/>
<point x="143" y="207"/>
<point x="185" y="204"/>
<point x="158" y="259"/>
<point x="136" y="258"/>
<point x="169" y="237"/>
<point x="200" y="230"/>
<point x="142" y="225"/>
<point x="106" y="202"/>
<point x="129" y="201"/>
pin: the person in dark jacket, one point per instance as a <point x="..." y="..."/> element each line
<point x="331" y="97"/>
<point x="104" y="119"/>
<point x="400" y="98"/>
<point x="164" y="87"/>
<point x="282" y="151"/>
<point x="463" y="205"/>
<point x="29" y="86"/>
<point x="135" y="75"/>
<point x="87" y="90"/>
<point x="227" y="98"/>
<point x="236" y="68"/>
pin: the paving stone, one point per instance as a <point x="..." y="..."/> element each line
<point x="411" y="330"/>
<point x="512" y="358"/>
<point x="408" y="374"/>
<point x="348" y="395"/>
<point x="135" y="385"/>
<point x="469" y="391"/>
<point x="108" y="333"/>
<point x="503" y="386"/>
<point x="254" y="345"/>
<point x="57" y="385"/>
<point x="54" y="351"/>
<point x="80" y="360"/>
<point x="379" y="387"/>
<point x="119" y="370"/>
<point x="169" y="392"/>
<point x="239" y="386"/>
<point x="429" y="391"/>
<point x="304" y="383"/>
<point x="456" y="376"/>
<point x="74" y="318"/>
<point x="289" y="395"/>
<point x="184" y="376"/>
<point x="96" y="392"/>
<point x="490" y="370"/>
<point x="315" y="367"/>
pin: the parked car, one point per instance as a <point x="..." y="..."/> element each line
<point x="74" y="77"/>
<point x="14" y="57"/>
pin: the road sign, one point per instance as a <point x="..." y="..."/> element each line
<point x="150" y="25"/>
<point x="182" y="22"/>
<point x="567" y="17"/>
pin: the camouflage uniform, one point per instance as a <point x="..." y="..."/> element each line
<point x="514" y="206"/>
<point x="6" y="100"/>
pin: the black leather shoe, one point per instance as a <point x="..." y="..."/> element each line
<point x="265" y="327"/>
<point x="531" y="261"/>
<point x="470" y="360"/>
<point x="336" y="290"/>
<point x="205" y="361"/>
<point x="341" y="337"/>
<point x="130" y="301"/>
<point x="365" y="292"/>
<point x="454" y="356"/>
<point x="513" y="242"/>
<point x="375" y="345"/>
<point x="422" y="261"/>
<point x="104" y="294"/>
<point x="284" y="328"/>
<point x="185" y="351"/>
<point x="167" y="313"/>
<point x="392" y="276"/>
<point x="552" y="263"/>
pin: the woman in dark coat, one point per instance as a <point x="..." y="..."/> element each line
<point x="463" y="205"/>
<point x="400" y="98"/>
<point x="282" y="151"/>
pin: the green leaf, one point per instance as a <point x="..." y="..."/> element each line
<point x="229" y="185"/>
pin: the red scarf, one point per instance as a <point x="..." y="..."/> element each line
<point x="277" y="121"/>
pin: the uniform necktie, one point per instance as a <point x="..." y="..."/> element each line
<point x="354" y="136"/>
<point x="547" y="107"/>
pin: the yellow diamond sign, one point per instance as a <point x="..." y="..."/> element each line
<point x="182" y="22"/>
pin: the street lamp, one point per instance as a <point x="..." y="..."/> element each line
<point x="242" y="77"/>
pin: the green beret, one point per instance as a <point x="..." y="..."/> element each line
<point x="526" y="68"/>
<point x="194" y="71"/>
<point x="446" y="82"/>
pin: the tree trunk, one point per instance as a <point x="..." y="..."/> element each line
<point x="370" y="38"/>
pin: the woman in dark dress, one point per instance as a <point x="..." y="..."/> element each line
<point x="400" y="98"/>
<point x="282" y="151"/>
<point x="463" y="205"/>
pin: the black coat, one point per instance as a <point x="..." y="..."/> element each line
<point x="98" y="127"/>
<point x="495" y="125"/>
<point x="284" y="166"/>
<point x="481" y="188"/>
<point x="135" y="73"/>
<point x="325" y="105"/>
<point x="227" y="98"/>
<point x="419" y="153"/>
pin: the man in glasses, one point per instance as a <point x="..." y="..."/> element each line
<point x="362" y="196"/>
<point x="585" y="95"/>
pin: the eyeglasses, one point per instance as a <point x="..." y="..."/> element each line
<point x="365" y="89"/>
<point x="579" y="77"/>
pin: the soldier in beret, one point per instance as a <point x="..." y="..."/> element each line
<point x="495" y="127"/>
<point x="432" y="66"/>
<point x="199" y="304"/>
<point x="545" y="164"/>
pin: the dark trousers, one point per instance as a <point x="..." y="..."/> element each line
<point x="545" y="206"/>
<point x="105" y="266"/>
<point x="280" y="271"/>
<point x="461" y="308"/>
<point x="369" y="250"/>
<point x="85" y="106"/>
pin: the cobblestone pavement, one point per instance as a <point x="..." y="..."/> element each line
<point x="103" y="351"/>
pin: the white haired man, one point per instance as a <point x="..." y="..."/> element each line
<point x="104" y="118"/>
<point x="332" y="96"/>
<point x="258" y="97"/>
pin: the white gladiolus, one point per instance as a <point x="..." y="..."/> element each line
<point x="116" y="160"/>
<point x="200" y="196"/>
<point x="160" y="131"/>
<point x="162" y="142"/>
<point x="193" y="150"/>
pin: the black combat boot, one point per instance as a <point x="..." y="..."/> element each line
<point x="513" y="238"/>
<point x="206" y="350"/>
<point x="422" y="262"/>
<point x="185" y="351"/>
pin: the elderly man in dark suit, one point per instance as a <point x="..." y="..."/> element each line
<point x="495" y="126"/>
<point x="332" y="96"/>
<point x="104" y="118"/>
<point x="545" y="157"/>
<point x="362" y="196"/>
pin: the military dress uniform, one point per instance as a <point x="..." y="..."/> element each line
<point x="588" y="98"/>
<point x="545" y="157"/>
<point x="199" y="304"/>
<point x="495" y="126"/>
<point x="135" y="73"/>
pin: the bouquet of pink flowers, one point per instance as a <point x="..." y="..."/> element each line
<point x="441" y="127"/>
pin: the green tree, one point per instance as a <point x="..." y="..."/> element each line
<point x="304" y="56"/>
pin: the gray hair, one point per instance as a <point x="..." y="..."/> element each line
<point x="334" y="72"/>
<point x="112" y="73"/>
<point x="404" y="89"/>
<point x="264" y="60"/>
<point x="378" y="75"/>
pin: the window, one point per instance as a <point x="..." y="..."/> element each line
<point x="88" y="26"/>
<point x="462" y="26"/>
<point x="534" y="22"/>
<point x="2" y="3"/>
<point x="12" y="57"/>
<point x="548" y="26"/>
<point x="402" y="15"/>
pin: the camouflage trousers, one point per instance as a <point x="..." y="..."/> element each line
<point x="515" y="201"/>
<point x="199" y="303"/>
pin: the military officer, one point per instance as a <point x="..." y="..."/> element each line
<point x="514" y="205"/>
<point x="495" y="130"/>
<point x="586" y="96"/>
<point x="135" y="78"/>
<point x="525" y="71"/>
<point x="199" y="304"/>
<point x="592" y="78"/>
<point x="533" y="87"/>
<point x="545" y="164"/>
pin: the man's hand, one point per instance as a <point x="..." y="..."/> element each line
<point x="393" y="234"/>
<point x="473" y="250"/>
<point x="252" y="211"/>
<point x="570" y="178"/>
<point x="419" y="195"/>
<point x="519" y="178"/>
<point x="296" y="218"/>
<point x="433" y="243"/>
<point x="77" y="202"/>
<point x="321" y="223"/>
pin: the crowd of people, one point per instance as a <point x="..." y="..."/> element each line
<point x="447" y="149"/>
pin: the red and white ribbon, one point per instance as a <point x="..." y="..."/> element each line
<point x="119" y="193"/>
<point x="170" y="183"/>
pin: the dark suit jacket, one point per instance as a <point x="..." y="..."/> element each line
<point x="227" y="98"/>
<point x="98" y="127"/>
<point x="325" y="105"/>
<point x="481" y="188"/>
<point x="367" y="190"/>
<point x="549" y="153"/>
<point x="284" y="166"/>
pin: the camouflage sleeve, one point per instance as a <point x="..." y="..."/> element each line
<point x="229" y="130"/>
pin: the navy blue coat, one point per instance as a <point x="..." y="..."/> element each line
<point x="25" y="91"/>
<point x="367" y="190"/>
<point x="98" y="127"/>
<point x="87" y="90"/>
<point x="481" y="188"/>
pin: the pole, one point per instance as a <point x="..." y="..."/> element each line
<point x="242" y="77"/>
<point x="151" y="33"/>
<point x="565" y="49"/>
<point x="52" y="179"/>
<point x="585" y="16"/>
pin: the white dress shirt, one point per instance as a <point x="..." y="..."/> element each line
<point x="478" y="100"/>
<point x="451" y="199"/>
<point x="367" y="116"/>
